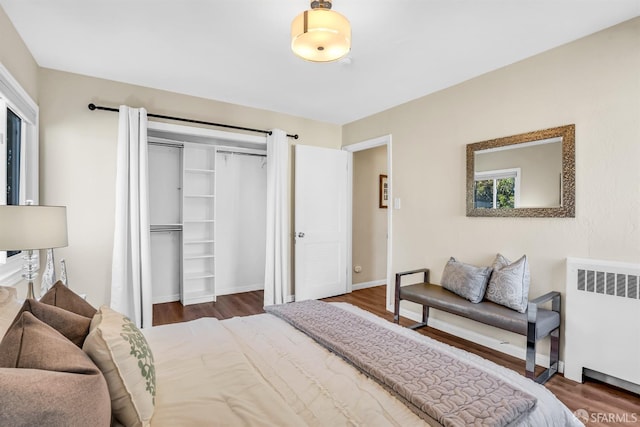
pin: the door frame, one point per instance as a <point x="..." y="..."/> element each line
<point x="360" y="146"/>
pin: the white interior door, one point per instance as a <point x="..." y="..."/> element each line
<point x="321" y="190"/>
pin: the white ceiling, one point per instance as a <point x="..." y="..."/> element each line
<point x="238" y="51"/>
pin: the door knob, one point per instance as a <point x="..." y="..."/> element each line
<point x="300" y="234"/>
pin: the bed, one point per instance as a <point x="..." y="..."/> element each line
<point x="251" y="371"/>
<point x="262" y="371"/>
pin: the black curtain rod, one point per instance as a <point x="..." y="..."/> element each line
<point x="93" y="107"/>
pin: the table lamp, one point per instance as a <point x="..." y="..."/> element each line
<point x="29" y="228"/>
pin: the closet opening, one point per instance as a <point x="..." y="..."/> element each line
<point x="207" y="205"/>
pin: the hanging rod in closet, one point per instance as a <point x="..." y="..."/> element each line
<point x="165" y="144"/>
<point x="93" y="107"/>
<point x="240" y="153"/>
<point x="164" y="230"/>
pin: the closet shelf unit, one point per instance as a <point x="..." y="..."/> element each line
<point x="198" y="213"/>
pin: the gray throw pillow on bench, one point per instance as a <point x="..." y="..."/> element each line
<point x="509" y="284"/>
<point x="466" y="280"/>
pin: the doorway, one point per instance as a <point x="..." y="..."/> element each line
<point x="370" y="235"/>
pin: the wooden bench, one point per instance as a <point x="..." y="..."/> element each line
<point x="536" y="323"/>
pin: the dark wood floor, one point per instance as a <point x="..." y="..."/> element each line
<point x="603" y="403"/>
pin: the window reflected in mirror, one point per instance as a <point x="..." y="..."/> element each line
<point x="497" y="189"/>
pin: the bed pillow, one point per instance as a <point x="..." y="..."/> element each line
<point x="9" y="307"/>
<point x="61" y="296"/>
<point x="509" y="284"/>
<point x="57" y="383"/>
<point x="466" y="280"/>
<point x="73" y="326"/>
<point x="123" y="355"/>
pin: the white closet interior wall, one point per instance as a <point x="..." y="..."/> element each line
<point x="165" y="201"/>
<point x="241" y="197"/>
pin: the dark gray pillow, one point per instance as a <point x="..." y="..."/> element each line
<point x="466" y="280"/>
<point x="509" y="284"/>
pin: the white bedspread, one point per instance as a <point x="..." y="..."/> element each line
<point x="259" y="371"/>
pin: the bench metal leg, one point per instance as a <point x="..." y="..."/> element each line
<point x="425" y="319"/>
<point x="554" y="357"/>
<point x="554" y="353"/>
<point x="396" y="307"/>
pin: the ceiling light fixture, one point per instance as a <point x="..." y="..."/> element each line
<point x="320" y="34"/>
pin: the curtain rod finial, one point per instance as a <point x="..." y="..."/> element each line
<point x="92" y="106"/>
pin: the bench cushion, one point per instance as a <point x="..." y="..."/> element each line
<point x="486" y="312"/>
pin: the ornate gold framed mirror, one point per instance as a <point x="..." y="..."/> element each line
<point x="526" y="175"/>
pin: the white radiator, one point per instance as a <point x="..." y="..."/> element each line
<point x="602" y="321"/>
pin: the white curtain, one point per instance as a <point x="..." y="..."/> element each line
<point x="278" y="257"/>
<point x="131" y="269"/>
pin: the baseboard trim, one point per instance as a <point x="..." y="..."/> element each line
<point x="240" y="289"/>
<point x="364" y="285"/>
<point x="478" y="338"/>
<point x="165" y="298"/>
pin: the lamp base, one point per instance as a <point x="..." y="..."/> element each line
<point x="30" y="294"/>
<point x="29" y="271"/>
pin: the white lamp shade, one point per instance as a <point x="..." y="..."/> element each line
<point x="320" y="35"/>
<point x="28" y="227"/>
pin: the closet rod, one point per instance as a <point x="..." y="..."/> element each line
<point x="240" y="153"/>
<point x="165" y="144"/>
<point x="161" y="230"/>
<point x="93" y="107"/>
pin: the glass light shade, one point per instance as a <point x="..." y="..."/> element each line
<point x="320" y="35"/>
<point x="28" y="227"/>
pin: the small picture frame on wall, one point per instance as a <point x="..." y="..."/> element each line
<point x="384" y="192"/>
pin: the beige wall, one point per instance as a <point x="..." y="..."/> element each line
<point x="369" y="220"/>
<point x="78" y="158"/>
<point x="593" y="82"/>
<point x="16" y="58"/>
